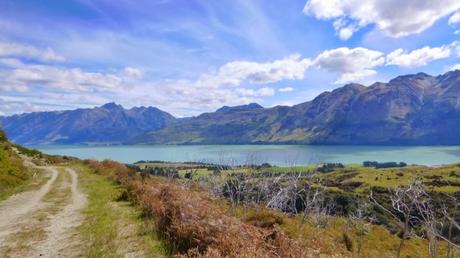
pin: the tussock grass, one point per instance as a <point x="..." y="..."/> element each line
<point x="12" y="172"/>
<point x="194" y="224"/>
<point x="105" y="219"/>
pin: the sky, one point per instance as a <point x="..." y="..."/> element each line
<point x="187" y="57"/>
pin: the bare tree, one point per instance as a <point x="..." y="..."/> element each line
<point x="403" y="206"/>
<point x="413" y="206"/>
<point x="361" y="220"/>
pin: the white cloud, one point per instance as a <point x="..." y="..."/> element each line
<point x="262" y="92"/>
<point x="8" y="106"/>
<point x="393" y="17"/>
<point x="454" y="67"/>
<point x="22" y="77"/>
<point x="133" y="72"/>
<point x="286" y="89"/>
<point x="352" y="64"/>
<point x="129" y="85"/>
<point x="8" y="49"/>
<point x="455" y="47"/>
<point x="455" y="18"/>
<point x="289" y="68"/>
<point x="223" y="87"/>
<point x="418" y="57"/>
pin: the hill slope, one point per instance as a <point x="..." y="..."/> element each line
<point x="12" y="171"/>
<point x="414" y="109"/>
<point x="109" y="123"/>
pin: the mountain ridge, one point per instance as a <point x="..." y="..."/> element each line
<point x="109" y="123"/>
<point x="416" y="109"/>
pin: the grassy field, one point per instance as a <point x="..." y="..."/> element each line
<point x="205" y="218"/>
<point x="114" y="228"/>
<point x="351" y="178"/>
<point x="13" y="174"/>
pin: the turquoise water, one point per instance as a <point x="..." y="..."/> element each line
<point x="281" y="155"/>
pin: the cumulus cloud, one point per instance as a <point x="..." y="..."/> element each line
<point x="59" y="78"/>
<point x="352" y="64"/>
<point x="289" y="68"/>
<point x="393" y="17"/>
<point x="455" y="47"/>
<point x="8" y="49"/>
<point x="418" y="57"/>
<point x="262" y="92"/>
<point x="223" y="87"/>
<point x="233" y="83"/>
<point x="454" y="67"/>
<point x="133" y="72"/>
<point x="8" y="106"/>
<point x="454" y="19"/>
<point x="286" y="89"/>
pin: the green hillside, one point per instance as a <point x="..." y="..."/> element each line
<point x="12" y="172"/>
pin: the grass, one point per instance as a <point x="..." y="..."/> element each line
<point x="440" y="179"/>
<point x="342" y="236"/>
<point x="393" y="177"/>
<point x="101" y="229"/>
<point x="13" y="174"/>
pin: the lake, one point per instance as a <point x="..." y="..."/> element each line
<point x="281" y="155"/>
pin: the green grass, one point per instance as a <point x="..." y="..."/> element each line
<point x="106" y="219"/>
<point x="393" y="177"/>
<point x="28" y="152"/>
<point x="12" y="172"/>
<point x="369" y="177"/>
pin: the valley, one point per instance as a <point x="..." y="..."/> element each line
<point x="73" y="208"/>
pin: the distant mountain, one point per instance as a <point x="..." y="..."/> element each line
<point x="252" y="106"/>
<point x="409" y="110"/>
<point x="414" y="109"/>
<point x="108" y="124"/>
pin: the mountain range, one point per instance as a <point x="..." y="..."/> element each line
<point x="108" y="124"/>
<point x="416" y="109"/>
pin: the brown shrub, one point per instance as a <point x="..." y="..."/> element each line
<point x="194" y="225"/>
<point x="264" y="219"/>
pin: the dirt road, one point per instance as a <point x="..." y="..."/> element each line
<point x="42" y="223"/>
<point x="15" y="210"/>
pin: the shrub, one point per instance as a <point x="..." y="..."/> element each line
<point x="3" y="137"/>
<point x="264" y="219"/>
<point x="348" y="242"/>
<point x="194" y="224"/>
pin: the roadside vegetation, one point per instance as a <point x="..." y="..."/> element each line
<point x="160" y="209"/>
<point x="200" y="208"/>
<point x="112" y="226"/>
<point x="13" y="174"/>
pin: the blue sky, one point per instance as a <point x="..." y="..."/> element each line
<point x="188" y="57"/>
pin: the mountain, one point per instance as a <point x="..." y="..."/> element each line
<point x="251" y="106"/>
<point x="108" y="124"/>
<point x="414" y="109"/>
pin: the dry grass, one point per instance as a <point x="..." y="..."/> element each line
<point x="114" y="228"/>
<point x="195" y="225"/>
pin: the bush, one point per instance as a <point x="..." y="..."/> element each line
<point x="194" y="224"/>
<point x="348" y="242"/>
<point x="264" y="219"/>
<point x="376" y="164"/>
<point x="3" y="137"/>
